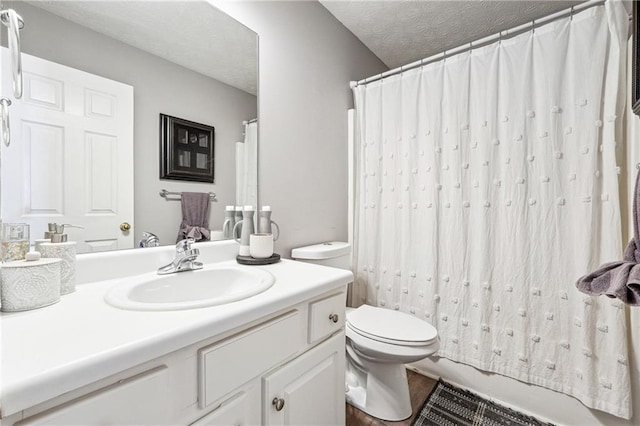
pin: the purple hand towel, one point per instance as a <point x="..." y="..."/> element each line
<point x="195" y="216"/>
<point x="619" y="279"/>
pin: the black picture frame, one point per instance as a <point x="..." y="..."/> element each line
<point x="635" y="64"/>
<point x="186" y="150"/>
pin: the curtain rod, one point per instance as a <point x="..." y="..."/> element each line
<point x="482" y="42"/>
<point x="245" y="122"/>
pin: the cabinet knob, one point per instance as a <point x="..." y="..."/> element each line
<point x="278" y="403"/>
<point x="124" y="226"/>
<point x="333" y="317"/>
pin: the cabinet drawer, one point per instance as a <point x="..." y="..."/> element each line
<point x="140" y="400"/>
<point x="229" y="364"/>
<point x="326" y="316"/>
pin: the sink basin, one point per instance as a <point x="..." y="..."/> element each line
<point x="210" y="286"/>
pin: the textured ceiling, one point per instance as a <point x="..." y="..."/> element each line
<point x="401" y="32"/>
<point x="193" y="34"/>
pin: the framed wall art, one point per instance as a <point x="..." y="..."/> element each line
<point x="186" y="150"/>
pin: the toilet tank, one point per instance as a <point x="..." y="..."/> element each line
<point x="335" y="254"/>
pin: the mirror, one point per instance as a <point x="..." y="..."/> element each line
<point x="100" y="73"/>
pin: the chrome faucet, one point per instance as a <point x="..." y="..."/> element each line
<point x="185" y="259"/>
<point x="149" y="240"/>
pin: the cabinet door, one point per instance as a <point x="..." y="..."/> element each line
<point x="241" y="409"/>
<point x="308" y="390"/>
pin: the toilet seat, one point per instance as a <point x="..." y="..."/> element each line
<point x="391" y="327"/>
<point x="375" y="350"/>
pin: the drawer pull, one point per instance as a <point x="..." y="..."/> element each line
<point x="278" y="403"/>
<point x="333" y="317"/>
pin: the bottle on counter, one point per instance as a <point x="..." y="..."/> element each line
<point x="237" y="231"/>
<point x="247" y="230"/>
<point x="265" y="222"/>
<point x="61" y="248"/>
<point x="229" y="222"/>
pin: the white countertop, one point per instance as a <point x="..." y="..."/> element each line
<point x="52" y="350"/>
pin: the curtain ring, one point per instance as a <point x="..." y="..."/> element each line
<point x="500" y="38"/>
<point x="444" y="56"/>
<point x="533" y="26"/>
<point x="571" y="15"/>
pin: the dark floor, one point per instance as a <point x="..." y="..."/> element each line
<point x="419" y="387"/>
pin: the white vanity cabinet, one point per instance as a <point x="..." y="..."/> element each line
<point x="285" y="369"/>
<point x="308" y="389"/>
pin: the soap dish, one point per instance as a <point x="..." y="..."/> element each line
<point x="248" y="260"/>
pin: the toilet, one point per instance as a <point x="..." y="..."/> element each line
<point x="379" y="342"/>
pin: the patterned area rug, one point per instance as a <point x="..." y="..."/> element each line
<point x="451" y="406"/>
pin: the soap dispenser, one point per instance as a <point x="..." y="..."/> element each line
<point x="61" y="248"/>
<point x="51" y="230"/>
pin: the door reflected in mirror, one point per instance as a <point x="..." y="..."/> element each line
<point x="86" y="146"/>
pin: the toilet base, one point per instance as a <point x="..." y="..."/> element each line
<point x="384" y="393"/>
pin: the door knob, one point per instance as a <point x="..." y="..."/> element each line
<point x="278" y="403"/>
<point x="124" y="226"/>
<point x="333" y="317"/>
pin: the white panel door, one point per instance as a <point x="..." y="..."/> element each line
<point x="71" y="154"/>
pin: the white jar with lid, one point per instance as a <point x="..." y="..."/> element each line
<point x="29" y="284"/>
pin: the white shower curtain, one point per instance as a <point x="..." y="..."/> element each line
<point x="247" y="167"/>
<point x="487" y="184"/>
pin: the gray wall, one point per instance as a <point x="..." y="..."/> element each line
<point x="159" y="86"/>
<point x="307" y="59"/>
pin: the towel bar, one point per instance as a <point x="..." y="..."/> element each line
<point x="168" y="195"/>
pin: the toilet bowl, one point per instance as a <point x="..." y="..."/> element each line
<point x="379" y="342"/>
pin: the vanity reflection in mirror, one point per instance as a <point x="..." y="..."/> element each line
<point x="85" y="136"/>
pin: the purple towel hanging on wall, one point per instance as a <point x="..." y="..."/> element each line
<point x="619" y="279"/>
<point x="195" y="216"/>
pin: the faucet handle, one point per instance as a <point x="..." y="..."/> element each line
<point x="149" y="239"/>
<point x="184" y="245"/>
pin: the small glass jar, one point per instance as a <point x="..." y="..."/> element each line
<point x="14" y="241"/>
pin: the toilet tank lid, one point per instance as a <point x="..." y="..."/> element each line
<point x="320" y="251"/>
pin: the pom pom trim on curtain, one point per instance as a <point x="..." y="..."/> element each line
<point x="486" y="185"/>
